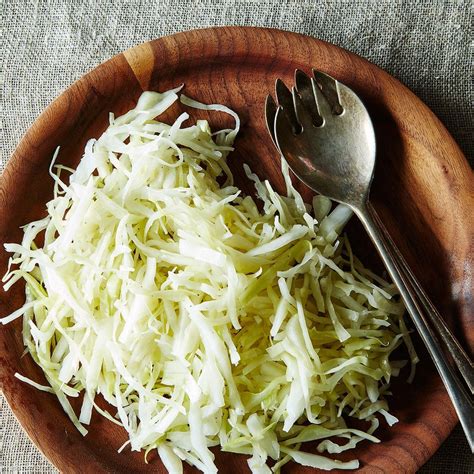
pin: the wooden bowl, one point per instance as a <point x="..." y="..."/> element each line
<point x="423" y="188"/>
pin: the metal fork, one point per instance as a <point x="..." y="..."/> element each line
<point x="325" y="133"/>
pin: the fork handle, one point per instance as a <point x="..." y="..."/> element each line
<point x="461" y="399"/>
<point x="459" y="356"/>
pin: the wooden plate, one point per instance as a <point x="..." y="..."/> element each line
<point x="423" y="187"/>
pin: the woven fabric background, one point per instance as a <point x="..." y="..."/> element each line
<point x="48" y="44"/>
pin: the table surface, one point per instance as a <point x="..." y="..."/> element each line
<point x="46" y="45"/>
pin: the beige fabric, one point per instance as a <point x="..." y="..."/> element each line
<point x="46" y="45"/>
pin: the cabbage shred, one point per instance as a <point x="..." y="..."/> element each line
<point x="202" y="319"/>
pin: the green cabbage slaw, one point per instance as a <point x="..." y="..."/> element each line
<point x="202" y="319"/>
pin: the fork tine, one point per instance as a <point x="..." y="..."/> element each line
<point x="281" y="126"/>
<point x="324" y="108"/>
<point x="305" y="91"/>
<point x="285" y="101"/>
<point x="302" y="112"/>
<point x="329" y="89"/>
<point x="270" y="113"/>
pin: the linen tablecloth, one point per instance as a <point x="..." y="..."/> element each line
<point x="46" y="45"/>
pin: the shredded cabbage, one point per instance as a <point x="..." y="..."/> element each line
<point x="203" y="320"/>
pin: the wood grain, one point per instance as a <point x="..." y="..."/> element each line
<point x="423" y="188"/>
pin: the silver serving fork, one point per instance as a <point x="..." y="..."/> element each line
<point x="326" y="135"/>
